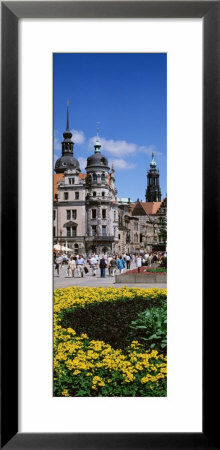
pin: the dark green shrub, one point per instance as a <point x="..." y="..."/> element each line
<point x="151" y="326"/>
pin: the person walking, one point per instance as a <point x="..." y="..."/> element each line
<point x="59" y="261"/>
<point x="121" y="264"/>
<point x="150" y="259"/>
<point x="113" y="266"/>
<point x="109" y="264"/>
<point x="71" y="266"/>
<point x="93" y="264"/>
<point x="80" y="264"/>
<point x="128" y="261"/>
<point x="103" y="265"/>
<point x="139" y="263"/>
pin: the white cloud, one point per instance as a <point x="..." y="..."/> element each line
<point x="117" y="148"/>
<point x="56" y="140"/>
<point x="82" y="162"/>
<point x="78" y="137"/>
<point x="121" y="164"/>
<point x="122" y="148"/>
<point x="148" y="150"/>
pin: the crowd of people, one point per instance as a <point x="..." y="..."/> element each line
<point x="81" y="265"/>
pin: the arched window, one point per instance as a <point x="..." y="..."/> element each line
<point x="103" y="177"/>
<point x="94" y="177"/>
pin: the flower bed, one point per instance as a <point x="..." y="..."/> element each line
<point x="84" y="366"/>
<point x="146" y="270"/>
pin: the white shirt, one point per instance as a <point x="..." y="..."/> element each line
<point x="139" y="262"/>
<point x="93" y="260"/>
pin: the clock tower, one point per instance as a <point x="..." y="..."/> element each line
<point x="153" y="191"/>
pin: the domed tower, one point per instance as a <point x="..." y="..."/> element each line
<point x="101" y="206"/>
<point x="67" y="160"/>
<point x="153" y="191"/>
<point x="69" y="207"/>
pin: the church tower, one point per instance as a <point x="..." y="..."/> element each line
<point x="67" y="160"/>
<point x="153" y="191"/>
<point x="101" y="204"/>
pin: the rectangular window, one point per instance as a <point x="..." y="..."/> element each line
<point x="94" y="230"/>
<point x="104" y="230"/>
<point x="68" y="231"/>
<point x="119" y="236"/>
<point x="114" y="215"/>
<point x="77" y="195"/>
<point x="66" y="195"/>
<point x="73" y="231"/>
<point x="103" y="194"/>
<point x="54" y="231"/>
<point x="104" y="213"/>
<point x="54" y="215"/>
<point x="93" y="213"/>
<point x="94" y="194"/>
<point x="74" y="214"/>
<point x="68" y="214"/>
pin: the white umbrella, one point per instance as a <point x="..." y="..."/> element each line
<point x="62" y="248"/>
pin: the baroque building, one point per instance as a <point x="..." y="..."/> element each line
<point x="152" y="221"/>
<point x="101" y="204"/>
<point x="85" y="215"/>
<point x="128" y="228"/>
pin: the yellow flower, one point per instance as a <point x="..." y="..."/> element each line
<point x="65" y="393"/>
<point x="74" y="354"/>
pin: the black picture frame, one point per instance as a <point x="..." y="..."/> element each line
<point x="11" y="12"/>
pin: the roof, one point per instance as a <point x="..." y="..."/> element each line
<point x="97" y="160"/>
<point x="57" y="177"/>
<point x="148" y="208"/>
<point x="60" y="176"/>
<point x="82" y="175"/>
<point x="66" y="161"/>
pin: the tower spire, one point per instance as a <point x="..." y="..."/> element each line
<point x="97" y="129"/>
<point x="67" y="144"/>
<point x="97" y="145"/>
<point x="67" y="133"/>
<point x="67" y="116"/>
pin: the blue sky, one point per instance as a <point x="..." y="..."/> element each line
<point x="127" y="94"/>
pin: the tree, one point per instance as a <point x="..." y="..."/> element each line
<point x="163" y="230"/>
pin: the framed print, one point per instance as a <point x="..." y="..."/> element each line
<point x="17" y="235"/>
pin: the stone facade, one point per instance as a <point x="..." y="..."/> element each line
<point x="128" y="229"/>
<point x="152" y="218"/>
<point x="87" y="215"/>
<point x="85" y="205"/>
